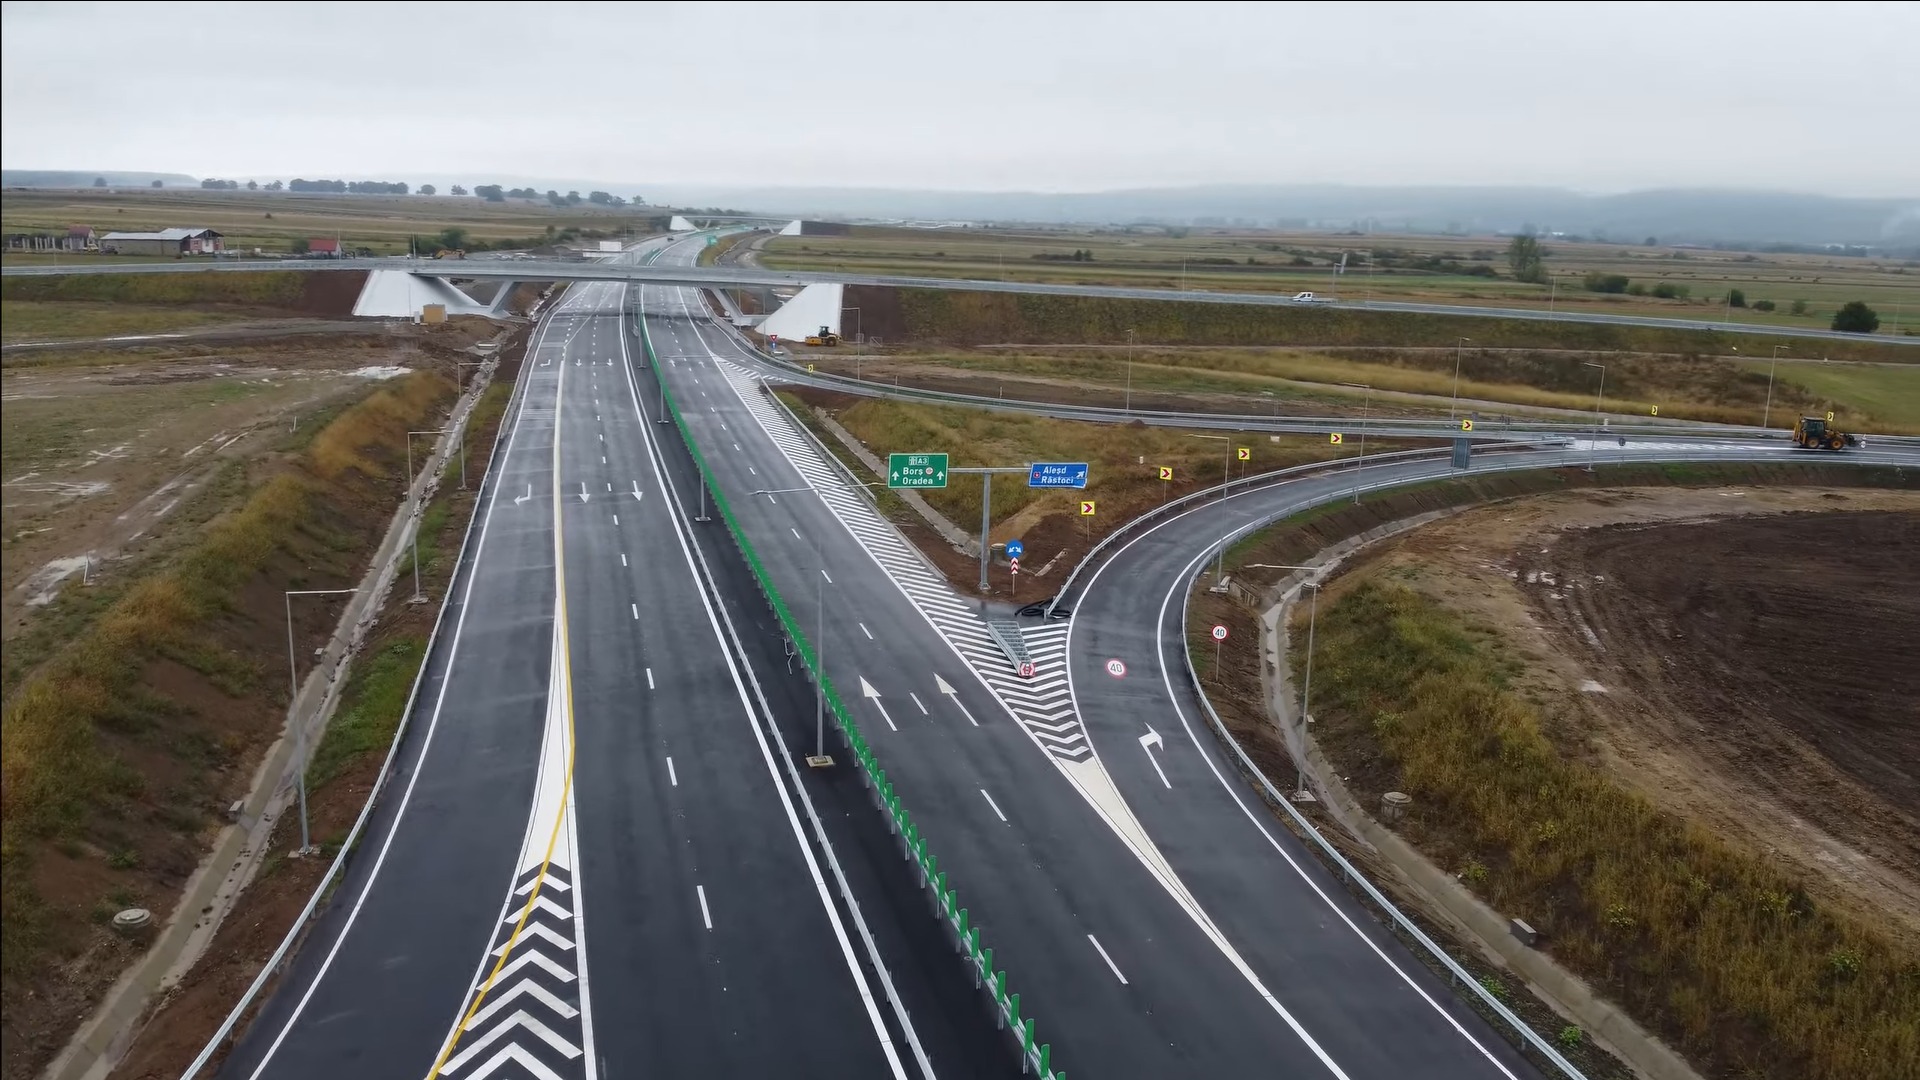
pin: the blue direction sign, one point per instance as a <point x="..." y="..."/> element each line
<point x="1058" y="474"/>
<point x="1015" y="549"/>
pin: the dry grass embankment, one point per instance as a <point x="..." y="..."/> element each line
<point x="121" y="750"/>
<point x="929" y="316"/>
<point x="1713" y="947"/>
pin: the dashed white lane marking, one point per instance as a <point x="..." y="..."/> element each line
<point x="1111" y="966"/>
<point x="649" y="678"/>
<point x="616" y="519"/>
<point x="794" y="531"/>
<point x="864" y="630"/>
<point x="636" y="610"/>
<point x="995" y="805"/>
<point x="672" y="777"/>
<point x="707" y="916"/>
<point x="916" y="701"/>
<point x="623" y="558"/>
<point x="824" y="574"/>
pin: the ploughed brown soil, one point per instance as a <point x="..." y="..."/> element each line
<point x="1782" y="652"/>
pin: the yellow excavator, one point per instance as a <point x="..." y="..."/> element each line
<point x="826" y="336"/>
<point x="1818" y="433"/>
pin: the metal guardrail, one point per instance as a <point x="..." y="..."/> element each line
<point x="347" y="846"/>
<point x="965" y="936"/>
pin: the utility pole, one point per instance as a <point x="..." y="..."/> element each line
<point x="1766" y="416"/>
<point x="820" y="758"/>
<point x="1366" y="409"/>
<point x="1593" y="449"/>
<point x="1459" y="353"/>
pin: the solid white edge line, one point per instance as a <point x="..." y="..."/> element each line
<point x="406" y="796"/>
<point x="692" y="553"/>
<point x="1166" y="679"/>
<point x="1111" y="966"/>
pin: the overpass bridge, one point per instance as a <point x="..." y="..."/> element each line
<point x="509" y="271"/>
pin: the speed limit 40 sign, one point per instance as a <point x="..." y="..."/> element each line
<point x="1219" y="633"/>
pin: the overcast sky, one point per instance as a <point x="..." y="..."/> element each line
<point x="1044" y="97"/>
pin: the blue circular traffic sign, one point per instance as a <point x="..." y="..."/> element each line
<point x="1015" y="549"/>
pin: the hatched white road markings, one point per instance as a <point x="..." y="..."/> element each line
<point x="995" y="805"/>
<point x="707" y="916"/>
<point x="1111" y="966"/>
<point x="1042" y="703"/>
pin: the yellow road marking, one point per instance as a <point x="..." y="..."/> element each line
<point x="563" y="658"/>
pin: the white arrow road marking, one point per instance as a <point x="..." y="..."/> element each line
<point x="583" y="491"/>
<point x="867" y="691"/>
<point x="553" y="883"/>
<point x="995" y="805"/>
<point x="636" y="489"/>
<point x="517" y="1054"/>
<point x="518" y="499"/>
<point x="951" y="693"/>
<point x="539" y="960"/>
<point x="521" y="1019"/>
<point x="1147" y="742"/>
<point x="540" y="903"/>
<point x="527" y="988"/>
<point x="535" y="930"/>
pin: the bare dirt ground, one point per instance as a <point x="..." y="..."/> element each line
<point x="101" y="448"/>
<point x="1742" y="657"/>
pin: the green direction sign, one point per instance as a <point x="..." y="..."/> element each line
<point x="916" y="470"/>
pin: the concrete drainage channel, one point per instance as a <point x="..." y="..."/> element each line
<point x="241" y="849"/>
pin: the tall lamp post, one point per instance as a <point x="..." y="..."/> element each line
<point x="1366" y="409"/>
<point x="1129" y="369"/>
<point x="293" y="717"/>
<point x="1226" y="481"/>
<point x="1459" y="353"/>
<point x="1767" y="414"/>
<point x="1593" y="449"/>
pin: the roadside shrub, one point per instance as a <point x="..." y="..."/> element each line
<point x="1607" y="283"/>
<point x="1667" y="290"/>
<point x="1763" y="305"/>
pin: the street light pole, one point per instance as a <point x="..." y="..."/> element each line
<point x="1459" y="353"/>
<point x="1129" y="369"/>
<point x="820" y="669"/>
<point x="1366" y="409"/>
<point x="418" y="596"/>
<point x="1593" y="449"/>
<point x="1306" y="689"/>
<point x="293" y="717"/>
<point x="1767" y="414"/>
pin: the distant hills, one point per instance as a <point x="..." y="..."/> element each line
<point x="55" y="178"/>
<point x="1674" y="216"/>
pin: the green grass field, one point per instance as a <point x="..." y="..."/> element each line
<point x="28" y="320"/>
<point x="271" y="221"/>
<point x="1239" y="261"/>
<point x="1885" y="391"/>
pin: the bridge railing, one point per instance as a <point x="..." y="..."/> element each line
<point x="977" y="956"/>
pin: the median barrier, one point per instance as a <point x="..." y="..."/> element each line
<point x="979" y="958"/>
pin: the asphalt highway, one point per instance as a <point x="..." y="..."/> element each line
<point x="595" y="743"/>
<point x="1128" y="972"/>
